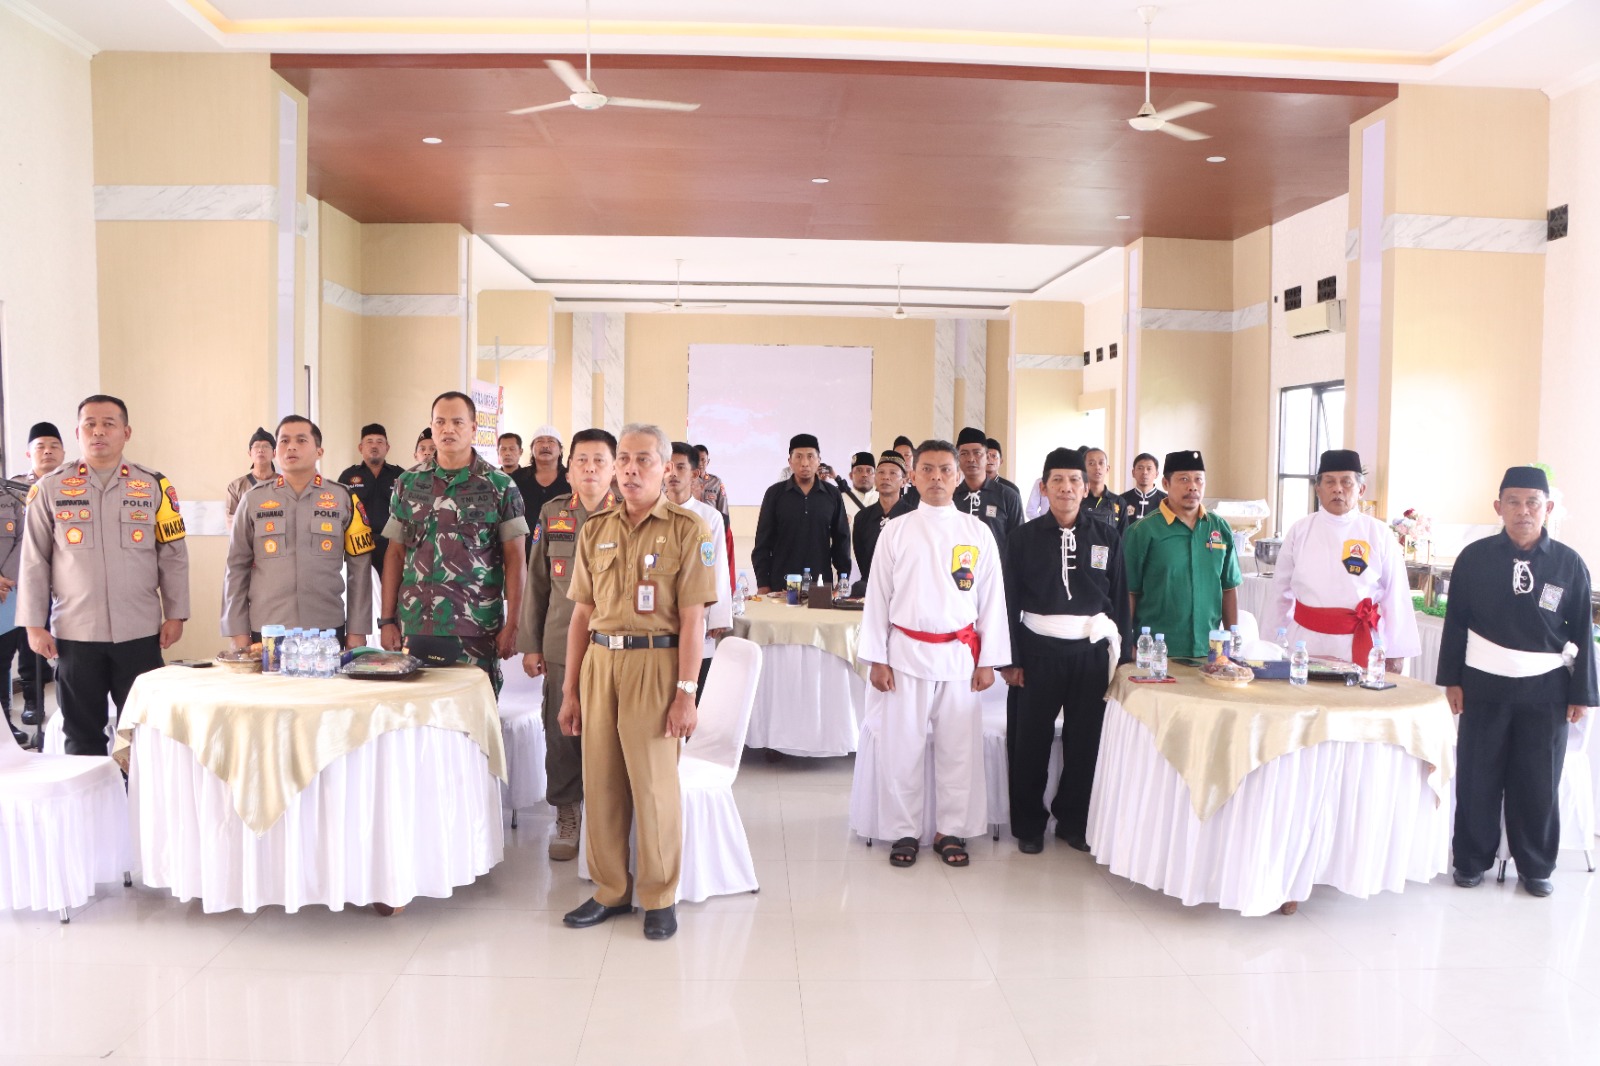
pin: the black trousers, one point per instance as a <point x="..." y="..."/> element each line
<point x="89" y="672"/>
<point x="1509" y="753"/>
<point x="10" y="643"/>
<point x="1066" y="677"/>
<point x="34" y="670"/>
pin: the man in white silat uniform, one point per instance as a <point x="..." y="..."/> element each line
<point x="678" y="486"/>
<point x="934" y="629"/>
<point x="1340" y="583"/>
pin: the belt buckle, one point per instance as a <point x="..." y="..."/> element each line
<point x="615" y="643"/>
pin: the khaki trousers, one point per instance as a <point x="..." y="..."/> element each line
<point x="563" y="755"/>
<point x="630" y="773"/>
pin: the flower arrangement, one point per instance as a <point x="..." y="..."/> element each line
<point x="1411" y="529"/>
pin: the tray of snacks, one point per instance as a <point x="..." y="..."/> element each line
<point x="1225" y="673"/>
<point x="241" y="660"/>
<point x="850" y="603"/>
<point x="377" y="665"/>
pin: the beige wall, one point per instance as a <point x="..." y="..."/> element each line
<point x="49" y="337"/>
<point x="341" y="405"/>
<point x="997" y="391"/>
<point x="1187" y="275"/>
<point x="1047" y="327"/>
<point x="1250" y="402"/>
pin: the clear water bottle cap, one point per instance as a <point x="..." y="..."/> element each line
<point x="1145" y="630"/>
<point x="1161" y="636"/>
<point x="1299" y="645"/>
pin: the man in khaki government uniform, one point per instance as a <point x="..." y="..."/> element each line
<point x="261" y="471"/>
<point x="105" y="545"/>
<point x="288" y="552"/>
<point x="642" y="579"/>
<point x="547" y="614"/>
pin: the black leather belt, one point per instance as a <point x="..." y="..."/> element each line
<point x="620" y="643"/>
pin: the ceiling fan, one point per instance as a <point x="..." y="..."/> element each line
<point x="900" y="313"/>
<point x="585" y="95"/>
<point x="1148" y="120"/>
<point x="677" y="303"/>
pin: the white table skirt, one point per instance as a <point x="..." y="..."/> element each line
<point x="54" y="849"/>
<point x="1430" y="632"/>
<point x="416" y="812"/>
<point x="1358" y="817"/>
<point x="1255" y="594"/>
<point x="808" y="702"/>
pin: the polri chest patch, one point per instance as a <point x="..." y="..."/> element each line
<point x="1550" y="597"/>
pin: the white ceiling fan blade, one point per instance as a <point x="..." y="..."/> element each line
<point x="568" y="75"/>
<point x="1184" y="133"/>
<point x="541" y="107"/>
<point x="1184" y="110"/>
<point x="654" y="105"/>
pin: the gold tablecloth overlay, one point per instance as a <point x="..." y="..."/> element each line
<point x="772" y="622"/>
<point x="1213" y="736"/>
<point x="266" y="736"/>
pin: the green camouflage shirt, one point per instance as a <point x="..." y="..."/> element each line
<point x="453" y="524"/>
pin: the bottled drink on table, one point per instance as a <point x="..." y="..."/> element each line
<point x="841" y="587"/>
<point x="291" y="654"/>
<point x="1377" y="668"/>
<point x="1158" y="657"/>
<point x="272" y="649"/>
<point x="1235" y="643"/>
<point x="805" y="582"/>
<point x="741" y="592"/>
<point x="328" y="657"/>
<point x="1299" y="664"/>
<point x="1143" y="650"/>
<point x="1282" y="641"/>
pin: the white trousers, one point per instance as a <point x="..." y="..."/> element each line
<point x="903" y="719"/>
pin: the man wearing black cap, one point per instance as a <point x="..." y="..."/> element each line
<point x="857" y="491"/>
<point x="1067" y="599"/>
<point x="888" y="503"/>
<point x="993" y="455"/>
<point x="262" y="447"/>
<point x="1340" y="584"/>
<point x="979" y="495"/>
<point x="1142" y="500"/>
<point x="905" y="449"/>
<point x="45" y="453"/>
<point x="1517" y="663"/>
<point x="372" y="480"/>
<point x="802" y="523"/>
<point x="1183" y="573"/>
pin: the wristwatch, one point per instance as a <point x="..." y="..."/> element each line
<point x="691" y="687"/>
<point x="388" y="622"/>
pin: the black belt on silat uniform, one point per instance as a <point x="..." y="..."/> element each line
<point x="620" y="643"/>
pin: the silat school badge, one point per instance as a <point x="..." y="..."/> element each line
<point x="1355" y="556"/>
<point x="962" y="562"/>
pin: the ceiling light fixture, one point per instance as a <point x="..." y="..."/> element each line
<point x="1216" y="159"/>
<point x="433" y="140"/>
<point x="501" y="203"/>
<point x="1123" y="218"/>
<point x="819" y="181"/>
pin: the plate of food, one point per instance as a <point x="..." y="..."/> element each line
<point x="381" y="666"/>
<point x="241" y="660"/>
<point x="1225" y="673"/>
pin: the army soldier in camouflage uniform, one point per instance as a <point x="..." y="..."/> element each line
<point x="288" y="550"/>
<point x="547" y="613"/>
<point x="455" y="558"/>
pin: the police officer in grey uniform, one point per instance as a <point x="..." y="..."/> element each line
<point x="104" y="545"/>
<point x="291" y="542"/>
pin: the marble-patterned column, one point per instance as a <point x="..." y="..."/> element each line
<point x="610" y="364"/>
<point x="944" y="378"/>
<point x="971" y="356"/>
<point x="584" y="327"/>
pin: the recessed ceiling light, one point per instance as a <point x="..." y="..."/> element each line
<point x="1216" y="159"/>
<point x="433" y="140"/>
<point x="819" y="181"/>
<point x="501" y="203"/>
<point x="1123" y="218"/>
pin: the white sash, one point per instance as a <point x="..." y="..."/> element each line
<point x="1092" y="627"/>
<point x="1485" y="655"/>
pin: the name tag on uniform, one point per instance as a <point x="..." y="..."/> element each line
<point x="990" y="511"/>
<point x="644" y="600"/>
<point x="1550" y="597"/>
<point x="1098" y="556"/>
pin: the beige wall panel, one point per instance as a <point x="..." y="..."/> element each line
<point x="185" y="118"/>
<point x="561" y="375"/>
<point x="997" y="389"/>
<point x="1048" y="416"/>
<point x="1249" y="431"/>
<point x="1187" y="275"/>
<point x="1185" y="394"/>
<point x="407" y="361"/>
<point x="340" y="388"/>
<point x="410" y="259"/>
<point x="202" y="633"/>
<point x="1047" y="327"/>
<point x="1476" y="152"/>
<point x="516" y="317"/>
<point x="1465" y="386"/>
<point x="339" y="247"/>
<point x="1252" y="268"/>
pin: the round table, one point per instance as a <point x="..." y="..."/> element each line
<point x="250" y="791"/>
<point x="812" y="692"/>
<point x="1248" y="798"/>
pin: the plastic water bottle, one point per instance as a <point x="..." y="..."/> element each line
<point x="1377" y="668"/>
<point x="328" y="654"/>
<point x="1299" y="664"/>
<point x="841" y="586"/>
<point x="1282" y="641"/>
<point x="805" y="583"/>
<point x="1158" y="657"/>
<point x="292" y="653"/>
<point x="741" y="593"/>
<point x="1235" y="643"/>
<point x="1143" y="650"/>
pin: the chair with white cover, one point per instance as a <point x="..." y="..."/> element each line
<point x="1249" y="628"/>
<point x="522" y="729"/>
<point x="1574" y="800"/>
<point x="63" y="828"/>
<point x="716" y="851"/>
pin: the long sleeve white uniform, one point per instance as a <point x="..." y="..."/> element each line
<point x="1314" y="567"/>
<point x="720" y="614"/>
<point x="915" y="585"/>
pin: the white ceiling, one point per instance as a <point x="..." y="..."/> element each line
<point x="1514" y="43"/>
<point x="753" y="276"/>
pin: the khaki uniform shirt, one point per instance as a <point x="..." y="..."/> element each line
<point x="671" y="548"/>
<point x="235" y="492"/>
<point x="546" y="610"/>
<point x="112" y="558"/>
<point x="287" y="556"/>
<point x="13" y="497"/>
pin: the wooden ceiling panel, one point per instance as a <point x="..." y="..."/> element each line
<point x="924" y="152"/>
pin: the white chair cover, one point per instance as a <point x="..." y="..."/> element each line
<point x="63" y="828"/>
<point x="522" y="727"/>
<point x="716" y="851"/>
<point x="1249" y="628"/>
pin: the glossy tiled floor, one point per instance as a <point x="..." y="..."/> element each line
<point x="839" y="959"/>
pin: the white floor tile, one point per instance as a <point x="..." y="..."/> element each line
<point x="836" y="886"/>
<point x="1532" y="1013"/>
<point x="354" y="940"/>
<point x="487" y="943"/>
<point x="1127" y="1021"/>
<point x="486" y="1021"/>
<point x="1042" y="945"/>
<point x="694" y="1023"/>
<point x="1205" y="940"/>
<point x="42" y="1005"/>
<point x="846" y="947"/>
<point x="960" y="1023"/>
<point x="708" y="947"/>
<point x="1071" y="884"/>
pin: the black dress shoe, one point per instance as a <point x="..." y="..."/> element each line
<point x="31" y="715"/>
<point x="1466" y="880"/>
<point x="1537" y="886"/>
<point x="1030" y="845"/>
<point x="661" y="923"/>
<point x="593" y="912"/>
<point x="1077" y="843"/>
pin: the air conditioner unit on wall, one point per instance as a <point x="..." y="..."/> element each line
<point x="1325" y="317"/>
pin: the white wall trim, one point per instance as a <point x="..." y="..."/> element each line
<point x="382" y="306"/>
<point x="1047" y="362"/>
<point x="48" y="24"/>
<point x="1169" y="319"/>
<point x="1461" y="233"/>
<point x="186" y="203"/>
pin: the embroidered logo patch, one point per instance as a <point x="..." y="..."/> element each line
<point x="1521" y="577"/>
<point x="139" y="516"/>
<point x="962" y="562"/>
<point x="562" y="524"/>
<point x="536" y="530"/>
<point x="1099" y="556"/>
<point x="65" y="516"/>
<point x="138" y="495"/>
<point x="1215" y="542"/>
<point x="558" y="568"/>
<point x="327" y="545"/>
<point x="708" y="552"/>
<point x="990" y="511"/>
<point x="139" y="485"/>
<point x="271" y="527"/>
<point x="74" y="535"/>
<point x="327" y="527"/>
<point x="1550" y="597"/>
<point x="1354" y="556"/>
<point x="74" y="481"/>
<point x="271" y="547"/>
<point x="137" y="536"/>
<point x="84" y="514"/>
<point x="172" y="498"/>
<point x="73" y="492"/>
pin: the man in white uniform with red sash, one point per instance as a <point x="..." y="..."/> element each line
<point x="934" y="629"/>
<point x="1340" y="583"/>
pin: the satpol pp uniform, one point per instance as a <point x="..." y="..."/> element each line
<point x="287" y="559"/>
<point x="935" y="611"/>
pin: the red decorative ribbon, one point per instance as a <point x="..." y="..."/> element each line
<point x="1361" y="623"/>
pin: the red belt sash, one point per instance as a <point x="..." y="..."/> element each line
<point x="967" y="635"/>
<point x="1360" y="622"/>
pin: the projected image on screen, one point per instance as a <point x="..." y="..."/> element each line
<point x="747" y="400"/>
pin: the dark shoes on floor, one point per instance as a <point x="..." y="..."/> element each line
<point x="32" y="715"/>
<point x="1466" y="880"/>
<point x="1030" y="845"/>
<point x="1074" y="841"/>
<point x="593" y="912"/>
<point x="1537" y="886"/>
<point x="660" y="924"/>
